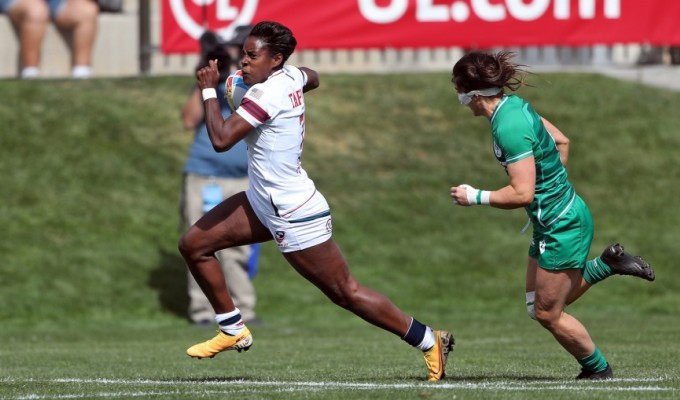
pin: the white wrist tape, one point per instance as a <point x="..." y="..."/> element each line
<point x="476" y="196"/>
<point x="209" y="93"/>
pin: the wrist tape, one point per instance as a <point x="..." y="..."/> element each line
<point x="209" y="93"/>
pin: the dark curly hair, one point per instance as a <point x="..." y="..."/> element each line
<point x="276" y="38"/>
<point x="478" y="70"/>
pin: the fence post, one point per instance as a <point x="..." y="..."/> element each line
<point x="145" y="49"/>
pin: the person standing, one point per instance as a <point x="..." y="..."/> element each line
<point x="30" y="19"/>
<point x="534" y="153"/>
<point x="208" y="178"/>
<point x="282" y="203"/>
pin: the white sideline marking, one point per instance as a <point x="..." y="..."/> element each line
<point x="246" y="386"/>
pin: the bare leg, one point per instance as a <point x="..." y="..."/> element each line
<point x="325" y="267"/>
<point x="576" y="292"/>
<point x="80" y="17"/>
<point x="30" y="19"/>
<point x="553" y="288"/>
<point x="232" y="223"/>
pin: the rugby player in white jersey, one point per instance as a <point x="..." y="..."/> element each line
<point x="282" y="203"/>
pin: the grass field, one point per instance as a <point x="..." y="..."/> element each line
<point x="92" y="302"/>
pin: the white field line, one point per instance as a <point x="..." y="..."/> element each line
<point x="162" y="394"/>
<point x="226" y="387"/>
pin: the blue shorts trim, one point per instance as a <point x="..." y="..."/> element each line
<point x="311" y="217"/>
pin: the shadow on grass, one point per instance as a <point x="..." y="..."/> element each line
<point x="169" y="279"/>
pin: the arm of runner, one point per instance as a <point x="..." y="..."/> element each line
<point x="560" y="139"/>
<point x="223" y="133"/>
<point x="312" y="79"/>
<point x="519" y="193"/>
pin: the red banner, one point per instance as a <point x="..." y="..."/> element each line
<point x="364" y="24"/>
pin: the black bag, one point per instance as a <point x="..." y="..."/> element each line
<point x="112" y="6"/>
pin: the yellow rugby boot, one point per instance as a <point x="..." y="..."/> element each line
<point x="222" y="342"/>
<point x="436" y="357"/>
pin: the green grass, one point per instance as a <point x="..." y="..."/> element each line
<point x="92" y="302"/>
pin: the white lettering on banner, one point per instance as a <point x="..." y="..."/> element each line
<point x="527" y="12"/>
<point x="383" y="15"/>
<point x="460" y="10"/>
<point x="586" y="9"/>
<point x="225" y="13"/>
<point x="488" y="12"/>
<point x="426" y="11"/>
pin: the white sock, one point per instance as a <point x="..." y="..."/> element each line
<point x="81" y="72"/>
<point x="230" y="323"/>
<point x="428" y="340"/>
<point x="30" y="72"/>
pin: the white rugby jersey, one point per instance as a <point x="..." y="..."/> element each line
<point x="276" y="109"/>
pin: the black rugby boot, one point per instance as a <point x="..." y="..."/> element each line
<point x="624" y="263"/>
<point x="596" y="376"/>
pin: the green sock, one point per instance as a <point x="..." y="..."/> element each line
<point x="594" y="362"/>
<point x="596" y="270"/>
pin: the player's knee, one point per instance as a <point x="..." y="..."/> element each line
<point x="184" y="247"/>
<point x="530" y="297"/>
<point x="548" y="317"/>
<point x="188" y="247"/>
<point x="346" y="294"/>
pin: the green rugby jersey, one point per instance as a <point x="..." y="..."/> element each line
<point x="518" y="133"/>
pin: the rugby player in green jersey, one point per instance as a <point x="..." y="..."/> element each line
<point x="534" y="153"/>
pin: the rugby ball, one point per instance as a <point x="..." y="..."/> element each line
<point x="235" y="89"/>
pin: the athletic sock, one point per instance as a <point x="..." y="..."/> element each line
<point x="230" y="323"/>
<point x="419" y="336"/>
<point x="594" y="362"/>
<point x="596" y="270"/>
<point x="428" y="340"/>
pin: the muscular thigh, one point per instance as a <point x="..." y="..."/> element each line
<point x="553" y="288"/>
<point x="231" y="223"/>
<point x="323" y="265"/>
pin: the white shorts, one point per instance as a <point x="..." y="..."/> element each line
<point x="307" y="226"/>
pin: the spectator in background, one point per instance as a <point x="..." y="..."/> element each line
<point x="235" y="44"/>
<point x="675" y="55"/>
<point x="210" y="177"/>
<point x="653" y="55"/>
<point x="77" y="18"/>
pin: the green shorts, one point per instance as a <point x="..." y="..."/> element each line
<point x="566" y="243"/>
